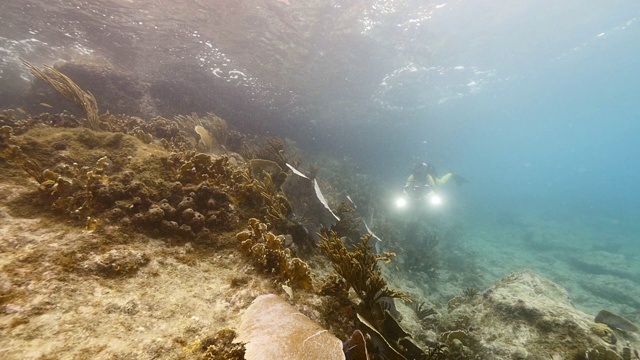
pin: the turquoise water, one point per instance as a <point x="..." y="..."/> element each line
<point x="546" y="130"/>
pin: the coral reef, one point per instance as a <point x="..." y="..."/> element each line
<point x="183" y="192"/>
<point x="175" y="180"/>
<point x="272" y="149"/>
<point x="377" y="316"/>
<point x="269" y="252"/>
<point x="359" y="268"/>
<point x="80" y="180"/>
<point x="211" y="131"/>
<point x="137" y="175"/>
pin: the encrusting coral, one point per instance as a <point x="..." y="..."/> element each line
<point x="269" y="252"/>
<point x="183" y="192"/>
<point x="109" y="177"/>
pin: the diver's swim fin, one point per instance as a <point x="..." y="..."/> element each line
<point x="459" y="180"/>
<point x="443" y="180"/>
<point x="430" y="180"/>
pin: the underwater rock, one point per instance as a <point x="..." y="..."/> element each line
<point x="600" y="352"/>
<point x="604" y="332"/>
<point x="273" y="329"/>
<point x="615" y="321"/>
<point x="116" y="262"/>
<point x="523" y="311"/>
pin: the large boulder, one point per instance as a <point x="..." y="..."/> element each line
<point x="524" y="316"/>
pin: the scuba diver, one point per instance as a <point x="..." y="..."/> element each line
<point x="423" y="182"/>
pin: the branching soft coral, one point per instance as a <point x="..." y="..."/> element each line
<point x="70" y="90"/>
<point x="270" y="254"/>
<point x="360" y="268"/>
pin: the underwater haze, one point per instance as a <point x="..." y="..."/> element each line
<point x="534" y="102"/>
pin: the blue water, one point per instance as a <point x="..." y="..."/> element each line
<point x="557" y="125"/>
<point x="547" y="136"/>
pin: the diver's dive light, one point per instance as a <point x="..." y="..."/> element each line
<point x="432" y="199"/>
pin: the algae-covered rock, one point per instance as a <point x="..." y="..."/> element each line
<point x="273" y="329"/>
<point x="605" y="332"/>
<point x="116" y="262"/>
<point x="524" y="312"/>
<point x="615" y="321"/>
